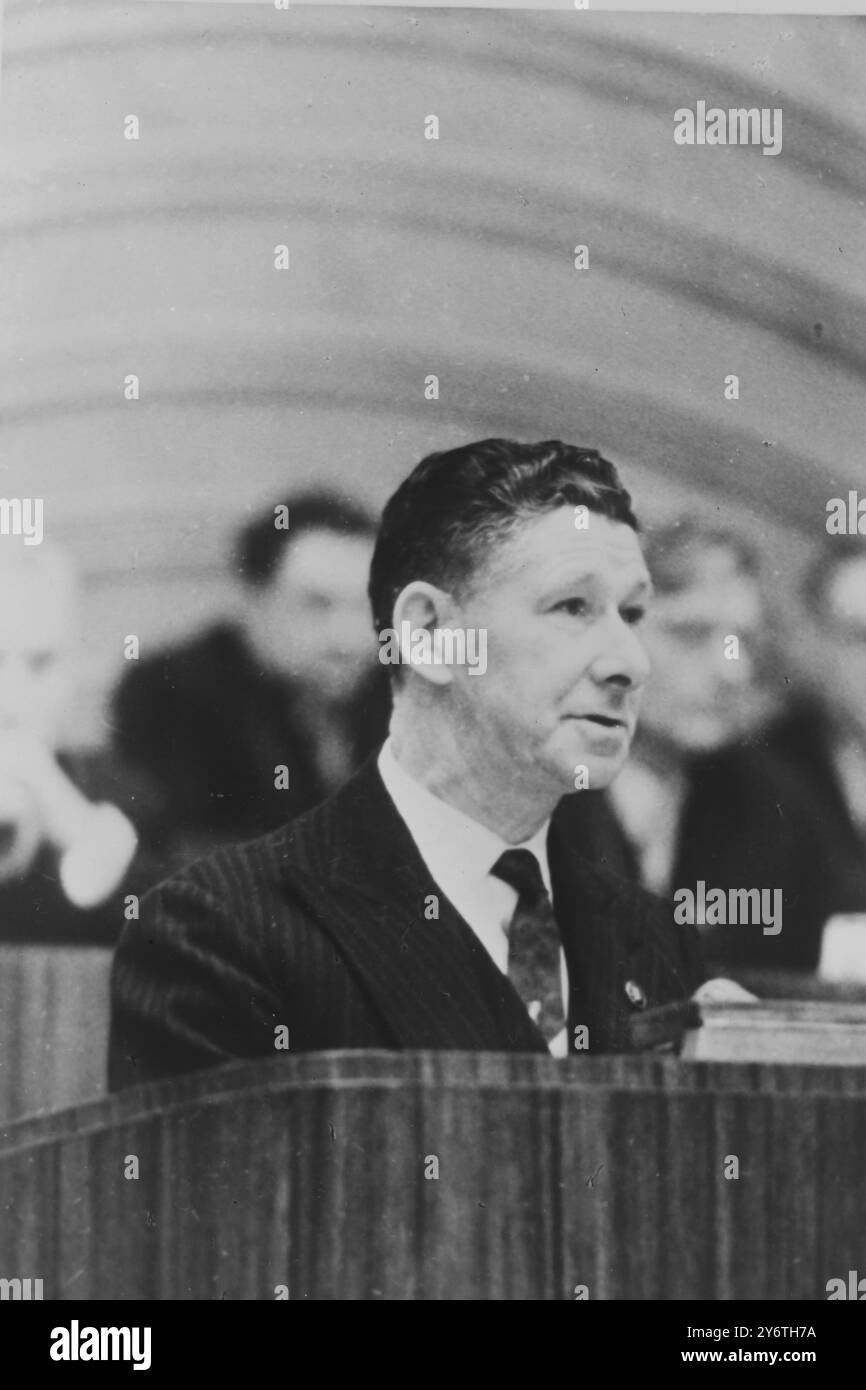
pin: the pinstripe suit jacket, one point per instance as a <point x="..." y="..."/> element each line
<point x="320" y="926"/>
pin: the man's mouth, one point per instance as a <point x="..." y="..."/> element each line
<point x="607" y="721"/>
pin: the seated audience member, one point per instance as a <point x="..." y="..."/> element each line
<point x="66" y="847"/>
<point x="824" y="739"/>
<point x="294" y="684"/>
<point x="700" y="800"/>
<point x="438" y="900"/>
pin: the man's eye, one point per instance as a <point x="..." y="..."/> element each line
<point x="574" y="607"/>
<point x="633" y="616"/>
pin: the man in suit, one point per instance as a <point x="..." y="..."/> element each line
<point x="293" y="683"/>
<point x="437" y="900"/>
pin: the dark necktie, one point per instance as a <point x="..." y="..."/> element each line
<point x="533" y="941"/>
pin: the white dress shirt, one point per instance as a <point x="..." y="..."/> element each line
<point x="649" y="808"/>
<point x="459" y="853"/>
<point x="849" y="760"/>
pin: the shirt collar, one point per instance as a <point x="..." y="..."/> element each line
<point x="451" y="843"/>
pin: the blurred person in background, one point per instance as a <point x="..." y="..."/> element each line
<point x="293" y="683"/>
<point x="66" y="847"/>
<point x="701" y="799"/>
<point x="824" y="736"/>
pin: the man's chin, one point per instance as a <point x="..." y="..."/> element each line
<point x="591" y="771"/>
<point x="708" y="737"/>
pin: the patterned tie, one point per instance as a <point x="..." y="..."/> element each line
<point x="533" y="941"/>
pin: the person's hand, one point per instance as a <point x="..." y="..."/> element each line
<point x="21" y="829"/>
<point x="61" y="809"/>
<point x="95" y="842"/>
<point x="723" y="991"/>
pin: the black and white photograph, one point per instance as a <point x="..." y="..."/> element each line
<point x="432" y="664"/>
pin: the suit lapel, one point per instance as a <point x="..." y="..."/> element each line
<point x="423" y="969"/>
<point x="618" y="963"/>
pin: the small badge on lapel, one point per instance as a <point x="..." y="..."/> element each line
<point x="635" y="994"/>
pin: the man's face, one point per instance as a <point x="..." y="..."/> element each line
<point x="37" y="674"/>
<point x="313" y="622"/>
<point x="698" y="699"/>
<point x="564" y="661"/>
<point x="840" y="650"/>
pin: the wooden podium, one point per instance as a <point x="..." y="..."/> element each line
<point x="54" y="1012"/>
<point x="446" y="1176"/>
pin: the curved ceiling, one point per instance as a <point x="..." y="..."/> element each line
<point x="411" y="257"/>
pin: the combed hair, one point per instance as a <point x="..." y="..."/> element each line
<point x="446" y="520"/>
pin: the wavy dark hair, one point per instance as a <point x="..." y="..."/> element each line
<point x="447" y="518"/>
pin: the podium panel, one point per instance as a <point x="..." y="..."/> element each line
<point x="446" y="1176"/>
<point x="54" y="1011"/>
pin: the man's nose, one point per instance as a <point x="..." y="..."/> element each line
<point x="622" y="656"/>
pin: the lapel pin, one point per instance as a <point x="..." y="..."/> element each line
<point x="635" y="995"/>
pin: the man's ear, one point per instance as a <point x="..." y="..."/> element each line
<point x="420" y="609"/>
